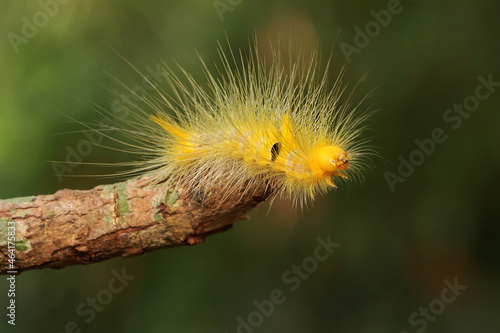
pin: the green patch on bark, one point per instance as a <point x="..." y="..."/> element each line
<point x="158" y="217"/>
<point x="171" y="197"/>
<point x="123" y="206"/>
<point x="21" y="245"/>
<point x="20" y="213"/>
<point x="108" y="189"/>
<point x="3" y="229"/>
<point x="108" y="219"/>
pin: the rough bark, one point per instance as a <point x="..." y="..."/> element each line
<point x="124" y="219"/>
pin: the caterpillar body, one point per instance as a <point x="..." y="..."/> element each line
<point x="257" y="124"/>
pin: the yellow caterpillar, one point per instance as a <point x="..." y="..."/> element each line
<point x="256" y="124"/>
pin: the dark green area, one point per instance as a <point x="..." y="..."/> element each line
<point x="397" y="247"/>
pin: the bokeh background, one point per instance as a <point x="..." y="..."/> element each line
<point x="396" y="247"/>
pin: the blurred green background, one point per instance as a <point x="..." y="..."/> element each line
<point x="396" y="247"/>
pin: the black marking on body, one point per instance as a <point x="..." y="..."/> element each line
<point x="275" y="150"/>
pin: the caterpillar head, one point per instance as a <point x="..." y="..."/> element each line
<point x="331" y="159"/>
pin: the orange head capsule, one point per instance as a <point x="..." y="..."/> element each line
<point x="330" y="159"/>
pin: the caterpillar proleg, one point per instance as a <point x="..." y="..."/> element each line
<point x="276" y="124"/>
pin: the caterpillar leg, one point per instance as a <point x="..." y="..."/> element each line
<point x="340" y="174"/>
<point x="330" y="183"/>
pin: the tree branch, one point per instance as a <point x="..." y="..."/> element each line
<point x="124" y="219"/>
